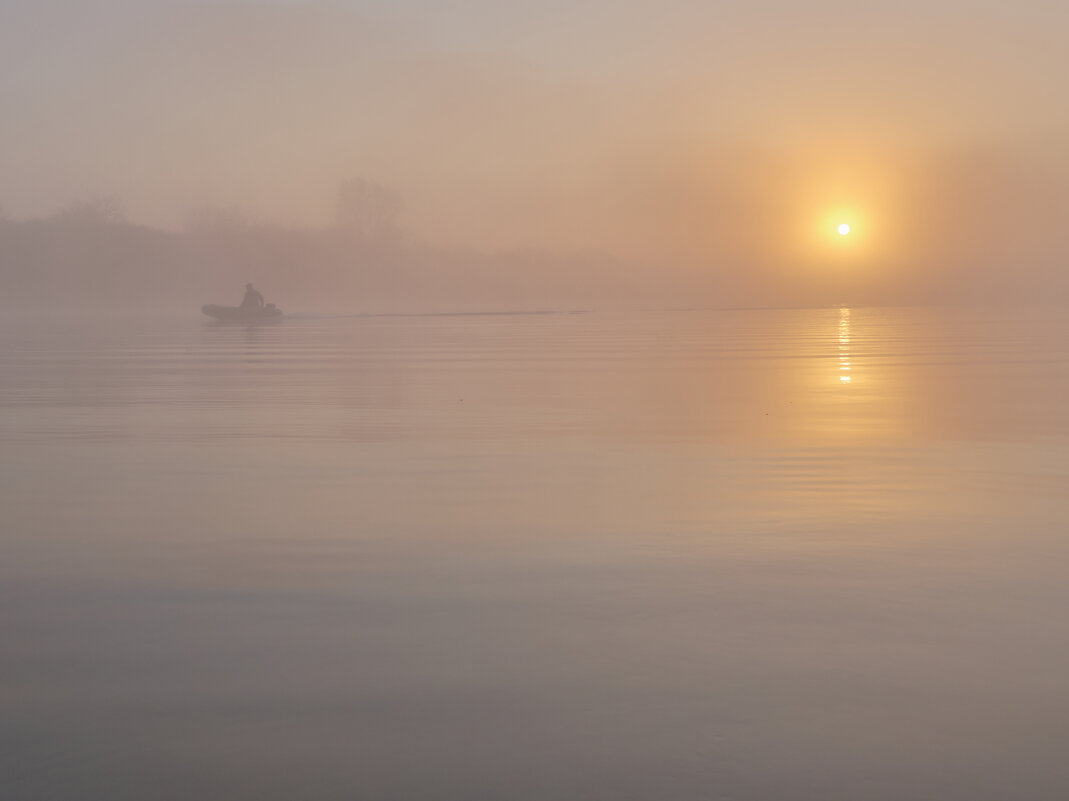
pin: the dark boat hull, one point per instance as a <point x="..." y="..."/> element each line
<point x="236" y="314"/>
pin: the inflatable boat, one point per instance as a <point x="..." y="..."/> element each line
<point x="236" y="314"/>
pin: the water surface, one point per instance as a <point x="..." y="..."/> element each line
<point x="806" y="554"/>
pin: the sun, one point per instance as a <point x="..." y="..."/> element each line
<point x="843" y="229"/>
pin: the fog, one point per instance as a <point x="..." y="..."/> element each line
<point x="401" y="156"/>
<point x="636" y="400"/>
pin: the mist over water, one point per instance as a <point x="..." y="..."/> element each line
<point x="751" y="554"/>
<point x="627" y="401"/>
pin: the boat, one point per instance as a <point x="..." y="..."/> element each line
<point x="236" y="314"/>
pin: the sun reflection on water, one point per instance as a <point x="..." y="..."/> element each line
<point x="844" y="345"/>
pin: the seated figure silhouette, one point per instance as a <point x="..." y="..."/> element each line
<point x="252" y="299"/>
<point x="253" y="309"/>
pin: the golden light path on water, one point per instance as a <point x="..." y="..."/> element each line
<point x="844" y="345"/>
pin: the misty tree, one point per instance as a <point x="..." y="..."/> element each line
<point x="209" y="218"/>
<point x="369" y="209"/>
<point x="97" y="210"/>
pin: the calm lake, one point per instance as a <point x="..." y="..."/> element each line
<point x="763" y="554"/>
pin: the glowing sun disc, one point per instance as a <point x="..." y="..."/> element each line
<point x="844" y="229"/>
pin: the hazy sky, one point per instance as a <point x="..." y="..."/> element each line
<point x="693" y="133"/>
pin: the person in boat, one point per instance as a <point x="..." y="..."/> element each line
<point x="252" y="299"/>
